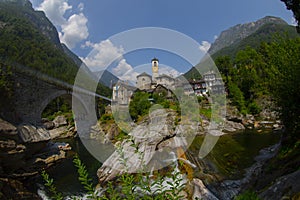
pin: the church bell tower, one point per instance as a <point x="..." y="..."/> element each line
<point x="154" y="68"/>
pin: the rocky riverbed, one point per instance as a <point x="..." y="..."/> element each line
<point x="25" y="150"/>
<point x="168" y="136"/>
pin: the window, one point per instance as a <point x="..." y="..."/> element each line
<point x="155" y="64"/>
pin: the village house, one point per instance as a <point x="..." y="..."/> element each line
<point x="122" y="93"/>
<point x="162" y="83"/>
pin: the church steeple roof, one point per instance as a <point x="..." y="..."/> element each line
<point x="143" y="74"/>
<point x="154" y="59"/>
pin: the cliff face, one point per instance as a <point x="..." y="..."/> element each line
<point x="241" y="31"/>
<point x="23" y="8"/>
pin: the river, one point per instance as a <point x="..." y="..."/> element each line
<point x="231" y="155"/>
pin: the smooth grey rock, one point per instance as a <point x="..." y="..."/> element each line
<point x="149" y="138"/>
<point x="231" y="126"/>
<point x="201" y="191"/>
<point x="8" y="131"/>
<point x="7" y="145"/>
<point x="285" y="186"/>
<point x="58" y="132"/>
<point x="30" y="133"/>
<point x="49" y="125"/>
<point x="60" y="121"/>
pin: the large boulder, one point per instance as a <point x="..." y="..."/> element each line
<point x="49" y="125"/>
<point x="112" y="132"/>
<point x="201" y="191"/>
<point x="14" y="189"/>
<point x="231" y="126"/>
<point x="285" y="187"/>
<point x="60" y="121"/>
<point x="152" y="140"/>
<point x="8" y="131"/>
<point x="30" y="133"/>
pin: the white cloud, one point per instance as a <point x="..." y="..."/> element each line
<point x="80" y="7"/>
<point x="130" y="76"/>
<point x="216" y="37"/>
<point x="74" y="28"/>
<point x="205" y="45"/>
<point x="55" y="10"/>
<point x="169" y="71"/>
<point x="122" y="68"/>
<point x="293" y="21"/>
<point x="102" y="55"/>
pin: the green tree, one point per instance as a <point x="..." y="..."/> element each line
<point x="236" y="96"/>
<point x="139" y="105"/>
<point x="294" y="6"/>
<point x="225" y="66"/>
<point x="6" y="86"/>
<point x="284" y="58"/>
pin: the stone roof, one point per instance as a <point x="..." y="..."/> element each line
<point x="165" y="75"/>
<point x="126" y="85"/>
<point x="155" y="59"/>
<point x="143" y="74"/>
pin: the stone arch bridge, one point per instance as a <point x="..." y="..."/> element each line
<point x="33" y="91"/>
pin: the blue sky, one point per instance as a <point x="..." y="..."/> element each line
<point x="85" y="25"/>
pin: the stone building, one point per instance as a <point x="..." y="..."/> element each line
<point x="146" y="82"/>
<point x="122" y="93"/>
<point x="162" y="83"/>
<point x="202" y="87"/>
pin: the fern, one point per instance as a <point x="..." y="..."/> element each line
<point x="51" y="187"/>
<point x="128" y="184"/>
<point x="83" y="176"/>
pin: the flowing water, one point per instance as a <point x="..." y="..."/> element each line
<point x="231" y="155"/>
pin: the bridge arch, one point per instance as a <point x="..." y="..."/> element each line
<point x="71" y="98"/>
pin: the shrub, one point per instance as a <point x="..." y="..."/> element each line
<point x="247" y="195"/>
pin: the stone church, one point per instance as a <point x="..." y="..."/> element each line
<point x="148" y="82"/>
<point x="122" y="91"/>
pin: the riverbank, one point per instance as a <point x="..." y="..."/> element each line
<point x="26" y="150"/>
<point x="218" y="164"/>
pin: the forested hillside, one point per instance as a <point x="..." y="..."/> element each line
<point x="246" y="35"/>
<point x="22" y="42"/>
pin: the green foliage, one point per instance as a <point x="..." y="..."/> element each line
<point x="56" y="107"/>
<point x="225" y="66"/>
<point x="51" y="187"/>
<point x="126" y="186"/>
<point x="106" y="117"/>
<point x="294" y="6"/>
<point x="237" y="97"/>
<point x="139" y="105"/>
<point x="83" y="176"/>
<point x="22" y="43"/>
<point x="247" y="195"/>
<point x="193" y="73"/>
<point x="265" y="33"/>
<point x="206" y="112"/>
<point x="6" y="85"/>
<point x="254" y="108"/>
<point x="175" y="187"/>
<point x="283" y="57"/>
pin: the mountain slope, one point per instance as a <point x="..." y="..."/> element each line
<point x="23" y="40"/>
<point x="252" y="34"/>
<point x="106" y="78"/>
<point x="238" y="32"/>
<point x="23" y="9"/>
<point x="265" y="33"/>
